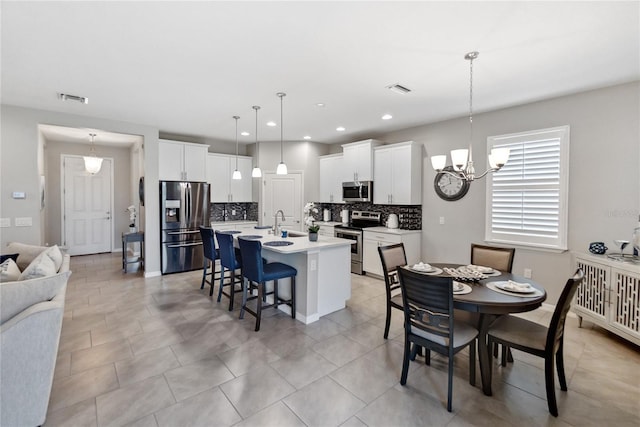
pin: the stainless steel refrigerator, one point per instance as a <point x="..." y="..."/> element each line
<point x="184" y="207"/>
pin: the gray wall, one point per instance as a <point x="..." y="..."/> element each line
<point x="604" y="181"/>
<point x="121" y="181"/>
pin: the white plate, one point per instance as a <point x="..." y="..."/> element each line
<point x="505" y="287"/>
<point x="416" y="267"/>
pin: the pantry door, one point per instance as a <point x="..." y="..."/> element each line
<point x="282" y="192"/>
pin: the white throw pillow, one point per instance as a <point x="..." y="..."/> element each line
<point x="9" y="271"/>
<point x="40" y="267"/>
<point x="18" y="296"/>
<point x="55" y="254"/>
<point x="27" y="253"/>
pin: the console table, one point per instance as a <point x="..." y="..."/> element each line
<point x="127" y="238"/>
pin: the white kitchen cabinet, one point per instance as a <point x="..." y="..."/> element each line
<point x="182" y="161"/>
<point x="220" y="168"/>
<point x="609" y="295"/>
<point x="397" y="174"/>
<point x="380" y="236"/>
<point x="358" y="160"/>
<point x="331" y="173"/>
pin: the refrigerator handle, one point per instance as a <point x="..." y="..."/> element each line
<point x="189" y="219"/>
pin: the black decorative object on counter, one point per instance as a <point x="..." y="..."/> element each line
<point x="597" y="248"/>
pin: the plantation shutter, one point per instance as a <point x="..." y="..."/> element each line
<point x="526" y="199"/>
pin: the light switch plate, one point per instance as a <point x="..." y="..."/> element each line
<point x="24" y="221"/>
<point x="19" y="195"/>
<point x="5" y="222"/>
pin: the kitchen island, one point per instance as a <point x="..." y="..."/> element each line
<point x="323" y="283"/>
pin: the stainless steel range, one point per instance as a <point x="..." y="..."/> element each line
<point x="353" y="231"/>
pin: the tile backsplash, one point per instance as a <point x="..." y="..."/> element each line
<point x="410" y="216"/>
<point x="233" y="212"/>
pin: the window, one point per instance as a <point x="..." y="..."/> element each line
<point x="527" y="198"/>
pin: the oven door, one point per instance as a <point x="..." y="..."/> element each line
<point x="356" y="247"/>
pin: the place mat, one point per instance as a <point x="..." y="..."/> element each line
<point x="433" y="272"/>
<point x="466" y="289"/>
<point x="251" y="236"/>
<point x="493" y="287"/>
<point x="231" y="232"/>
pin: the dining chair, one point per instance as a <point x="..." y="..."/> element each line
<point x="230" y="261"/>
<point x="392" y="257"/>
<point x="429" y="322"/>
<point x="539" y="340"/>
<point x="500" y="259"/>
<point x="211" y="254"/>
<point x="255" y="270"/>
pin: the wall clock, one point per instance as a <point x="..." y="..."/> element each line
<point x="449" y="187"/>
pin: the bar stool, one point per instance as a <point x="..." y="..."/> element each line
<point x="211" y="254"/>
<point x="256" y="271"/>
<point x="229" y="261"/>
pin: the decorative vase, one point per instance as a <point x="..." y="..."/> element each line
<point x="313" y="237"/>
<point x="132" y="229"/>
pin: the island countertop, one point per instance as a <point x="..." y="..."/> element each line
<point x="299" y="239"/>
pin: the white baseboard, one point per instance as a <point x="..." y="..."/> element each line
<point x="152" y="273"/>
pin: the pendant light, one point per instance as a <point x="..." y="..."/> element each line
<point x="256" y="172"/>
<point x="236" y="173"/>
<point x="92" y="163"/>
<point x="282" y="168"/>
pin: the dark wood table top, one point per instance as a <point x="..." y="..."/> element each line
<point x="484" y="300"/>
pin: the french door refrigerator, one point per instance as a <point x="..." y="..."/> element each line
<point x="184" y="207"/>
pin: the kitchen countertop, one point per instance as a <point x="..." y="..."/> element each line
<point x="397" y="231"/>
<point x="301" y="242"/>
<point x="241" y="221"/>
<point x="328" y="223"/>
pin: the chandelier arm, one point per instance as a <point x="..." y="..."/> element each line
<point x="459" y="175"/>
<point x="487" y="172"/>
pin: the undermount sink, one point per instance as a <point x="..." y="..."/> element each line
<point x="278" y="243"/>
<point x="296" y="234"/>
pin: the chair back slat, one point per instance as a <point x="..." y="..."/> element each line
<point x="392" y="257"/>
<point x="207" y="243"/>
<point x="226" y="249"/>
<point x="428" y="302"/>
<point x="556" y="327"/>
<point x="500" y="259"/>
<point x="251" y="251"/>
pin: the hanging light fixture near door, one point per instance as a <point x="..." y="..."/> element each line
<point x="282" y="167"/>
<point x="256" y="172"/>
<point x="236" y="173"/>
<point x="92" y="163"/>
<point x="462" y="159"/>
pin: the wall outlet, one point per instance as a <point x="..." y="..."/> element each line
<point x="24" y="221"/>
<point x="527" y="273"/>
<point x="5" y="222"/>
<point x="313" y="265"/>
<point x="441" y="220"/>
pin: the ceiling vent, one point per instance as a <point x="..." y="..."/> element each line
<point x="398" y="88"/>
<point x="67" y="97"/>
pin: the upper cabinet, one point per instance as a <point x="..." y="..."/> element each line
<point x="331" y="168"/>
<point x="358" y="160"/>
<point x="398" y="174"/>
<point x="182" y="161"/>
<point x="223" y="189"/>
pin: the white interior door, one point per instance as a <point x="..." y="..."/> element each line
<point x="87" y="206"/>
<point x="282" y="192"/>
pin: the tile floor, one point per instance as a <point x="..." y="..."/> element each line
<point x="161" y="352"/>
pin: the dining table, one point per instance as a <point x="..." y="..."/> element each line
<point x="489" y="302"/>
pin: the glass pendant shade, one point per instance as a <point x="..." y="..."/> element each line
<point x="459" y="158"/>
<point x="256" y="172"/>
<point x="438" y="162"/>
<point x="236" y="174"/>
<point x="498" y="157"/>
<point x="282" y="169"/>
<point x="92" y="164"/>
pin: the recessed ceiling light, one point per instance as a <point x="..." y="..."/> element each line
<point x="320" y="104"/>
<point x="271" y="124"/>
<point x="341" y="129"/>
<point x="245" y="133"/>
<point x="387" y="117"/>
<point x="398" y="88"/>
<point x="306" y="137"/>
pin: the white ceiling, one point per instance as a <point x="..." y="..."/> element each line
<point x="187" y="68"/>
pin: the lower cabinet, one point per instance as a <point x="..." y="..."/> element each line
<point x="609" y="296"/>
<point x="245" y="227"/>
<point x="371" y="263"/>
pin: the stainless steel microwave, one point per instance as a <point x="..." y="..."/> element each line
<point x="361" y="191"/>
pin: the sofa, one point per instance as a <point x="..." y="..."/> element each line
<point x="31" y="313"/>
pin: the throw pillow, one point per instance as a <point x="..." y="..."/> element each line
<point x="9" y="271"/>
<point x="3" y="258"/>
<point x="17" y="296"/>
<point x="55" y="254"/>
<point x="27" y="253"/>
<point x="40" y="267"/>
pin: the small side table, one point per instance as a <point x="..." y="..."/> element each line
<point x="127" y="238"/>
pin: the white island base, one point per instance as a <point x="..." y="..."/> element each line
<point x="323" y="283"/>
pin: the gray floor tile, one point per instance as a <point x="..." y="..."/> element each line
<point x="339" y="349"/>
<point x="194" y="378"/>
<point x="322" y="329"/>
<point x="303" y="367"/>
<point x="276" y="415"/>
<point x="365" y="379"/>
<point x="256" y="390"/>
<point x="209" y="408"/>
<point x="241" y="359"/>
<point x="100" y="355"/>
<point x="148" y="421"/>
<point x="132" y="402"/>
<point x="82" y="414"/>
<point x="73" y="342"/>
<point x="154" y="339"/>
<point x="324" y="403"/>
<point x="146" y="365"/>
<point x="67" y="391"/>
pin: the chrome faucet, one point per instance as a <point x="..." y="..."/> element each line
<point x="275" y="220"/>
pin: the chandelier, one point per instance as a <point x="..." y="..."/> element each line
<point x="462" y="159"/>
